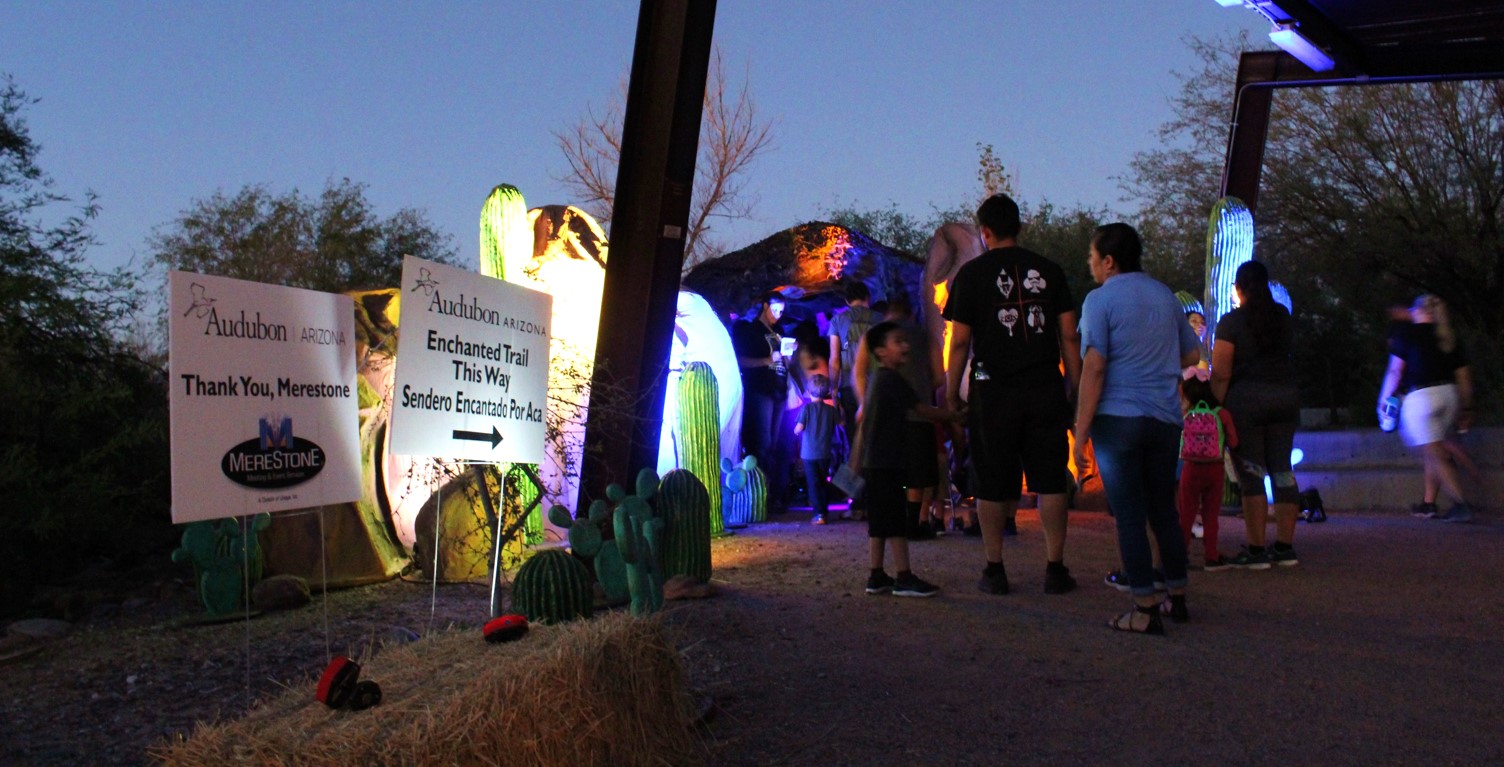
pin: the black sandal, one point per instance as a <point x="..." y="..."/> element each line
<point x="1174" y="609"/>
<point x="1129" y="621"/>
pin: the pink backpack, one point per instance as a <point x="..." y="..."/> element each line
<point x="1201" y="441"/>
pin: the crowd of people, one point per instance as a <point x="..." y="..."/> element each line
<point x="1130" y="380"/>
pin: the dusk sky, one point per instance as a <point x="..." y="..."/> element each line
<point x="152" y="105"/>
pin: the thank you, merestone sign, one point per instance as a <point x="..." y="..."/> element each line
<point x="262" y="396"/>
<point x="472" y="366"/>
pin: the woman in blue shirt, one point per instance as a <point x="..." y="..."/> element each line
<point x="1134" y="343"/>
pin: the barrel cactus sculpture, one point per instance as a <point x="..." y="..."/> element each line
<point x="1229" y="244"/>
<point x="684" y="504"/>
<point x="553" y="587"/>
<point x="699" y="434"/>
<point x="745" y="493"/>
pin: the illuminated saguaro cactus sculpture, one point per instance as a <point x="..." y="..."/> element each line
<point x="1229" y="244"/>
<point x="506" y="237"/>
<point x="699" y="433"/>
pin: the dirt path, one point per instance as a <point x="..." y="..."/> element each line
<point x="1383" y="646"/>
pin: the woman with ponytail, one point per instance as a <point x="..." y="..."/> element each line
<point x="1428" y="368"/>
<point x="1254" y="375"/>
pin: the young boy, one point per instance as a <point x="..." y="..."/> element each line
<point x="880" y="457"/>
<point x="817" y="422"/>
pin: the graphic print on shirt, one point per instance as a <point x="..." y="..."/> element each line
<point x="1009" y="318"/>
<point x="1036" y="318"/>
<point x="1033" y="282"/>
<point x="1027" y="307"/>
<point x="1005" y="284"/>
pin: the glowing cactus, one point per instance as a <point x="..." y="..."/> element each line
<point x="699" y="434"/>
<point x="1229" y="243"/>
<point x="506" y="237"/>
<point x="746" y="493"/>
<point x="685" y="506"/>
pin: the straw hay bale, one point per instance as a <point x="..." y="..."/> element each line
<point x="604" y="691"/>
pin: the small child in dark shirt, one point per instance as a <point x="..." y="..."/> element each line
<point x="817" y="423"/>
<point x="881" y="458"/>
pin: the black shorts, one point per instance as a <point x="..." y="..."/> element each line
<point x="885" y="503"/>
<point x="1017" y="431"/>
<point x="921" y="466"/>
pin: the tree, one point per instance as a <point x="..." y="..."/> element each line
<point x="1370" y="195"/>
<point x="732" y="136"/>
<point x="334" y="243"/>
<point x="83" y="435"/>
<point x="889" y="226"/>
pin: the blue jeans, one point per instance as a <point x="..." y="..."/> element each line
<point x="1136" y="457"/>
<point x="814" y="475"/>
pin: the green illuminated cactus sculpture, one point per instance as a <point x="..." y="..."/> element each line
<point x="639" y="538"/>
<point x="524" y="494"/>
<point x="699" y="433"/>
<point x="226" y="560"/>
<point x="685" y="507"/>
<point x="553" y="587"/>
<point x="506" y="237"/>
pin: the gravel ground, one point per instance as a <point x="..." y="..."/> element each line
<point x="1382" y="647"/>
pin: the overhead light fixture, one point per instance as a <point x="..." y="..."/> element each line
<point x="1229" y="3"/>
<point x="1295" y="44"/>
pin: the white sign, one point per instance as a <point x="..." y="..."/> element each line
<point x="472" y="366"/>
<point x="262" y="397"/>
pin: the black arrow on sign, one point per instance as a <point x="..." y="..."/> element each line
<point x="479" y="436"/>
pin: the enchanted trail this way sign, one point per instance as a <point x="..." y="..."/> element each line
<point x="472" y="366"/>
<point x="262" y="398"/>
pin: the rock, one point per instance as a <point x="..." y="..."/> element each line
<point x="40" y="628"/>
<point x="816" y="258"/>
<point x="685" y="587"/>
<point x="281" y="592"/>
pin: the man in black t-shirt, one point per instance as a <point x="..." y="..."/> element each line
<point x="1012" y="314"/>
<point x="764" y="389"/>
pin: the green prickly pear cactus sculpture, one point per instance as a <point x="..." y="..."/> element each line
<point x="746" y="493"/>
<point x="685" y="506"/>
<point x="639" y="537"/>
<point x="553" y="587"/>
<point x="221" y="554"/>
<point x="587" y="542"/>
<point x="699" y="433"/>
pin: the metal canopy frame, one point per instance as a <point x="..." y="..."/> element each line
<point x="1371" y="42"/>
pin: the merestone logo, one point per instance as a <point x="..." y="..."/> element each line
<point x="275" y="458"/>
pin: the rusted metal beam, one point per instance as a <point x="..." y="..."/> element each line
<point x="654" y="181"/>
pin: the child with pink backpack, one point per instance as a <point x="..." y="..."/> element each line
<point x="1208" y="432"/>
